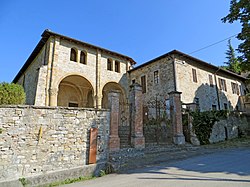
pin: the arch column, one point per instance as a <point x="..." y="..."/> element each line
<point x="53" y="92"/>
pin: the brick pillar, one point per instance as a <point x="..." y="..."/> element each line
<point x="137" y="138"/>
<point x="114" y="140"/>
<point x="176" y="117"/>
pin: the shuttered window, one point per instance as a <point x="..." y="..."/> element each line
<point x="222" y="84"/>
<point x="143" y="83"/>
<point x="194" y="75"/>
<point x="211" y="82"/>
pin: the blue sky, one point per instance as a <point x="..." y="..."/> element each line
<point x="141" y="29"/>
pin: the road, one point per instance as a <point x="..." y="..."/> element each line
<point x="224" y="168"/>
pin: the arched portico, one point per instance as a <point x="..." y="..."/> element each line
<point x="75" y="91"/>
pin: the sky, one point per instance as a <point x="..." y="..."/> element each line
<point x="141" y="29"/>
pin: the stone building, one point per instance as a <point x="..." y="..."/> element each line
<point x="62" y="71"/>
<point x="203" y="84"/>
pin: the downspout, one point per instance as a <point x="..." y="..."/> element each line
<point x="174" y="73"/>
<point x="51" y="70"/>
<point x="216" y="87"/>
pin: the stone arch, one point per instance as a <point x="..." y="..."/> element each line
<point x="75" y="91"/>
<point x="124" y="126"/>
<point x="108" y="87"/>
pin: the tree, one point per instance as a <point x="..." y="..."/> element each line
<point x="233" y="63"/>
<point x="240" y="11"/>
<point x="11" y="94"/>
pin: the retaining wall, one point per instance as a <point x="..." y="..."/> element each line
<point x="40" y="140"/>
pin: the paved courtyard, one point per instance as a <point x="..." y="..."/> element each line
<point x="229" y="167"/>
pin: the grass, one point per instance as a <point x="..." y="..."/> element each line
<point x="236" y="142"/>
<point x="69" y="181"/>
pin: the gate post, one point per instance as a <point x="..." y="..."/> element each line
<point x="114" y="140"/>
<point x="137" y="138"/>
<point x="176" y="117"/>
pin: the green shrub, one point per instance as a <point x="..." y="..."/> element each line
<point x="11" y="94"/>
<point x="203" y="123"/>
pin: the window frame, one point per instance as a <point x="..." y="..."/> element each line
<point x="235" y="88"/>
<point x="211" y="82"/>
<point x="156" y="77"/>
<point x="73" y="55"/>
<point x="109" y="64"/>
<point x="144" y="83"/>
<point x="222" y="84"/>
<point x="194" y="74"/>
<point x="117" y="66"/>
<point x="83" y="53"/>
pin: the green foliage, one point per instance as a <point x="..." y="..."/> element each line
<point x="11" y="94"/>
<point x="69" y="181"/>
<point x="23" y="181"/>
<point x="240" y="11"/>
<point x="102" y="173"/>
<point x="203" y="123"/>
<point x="233" y="63"/>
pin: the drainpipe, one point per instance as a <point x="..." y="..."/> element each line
<point x="174" y="69"/>
<point x="51" y="70"/>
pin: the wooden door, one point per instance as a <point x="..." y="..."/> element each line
<point x="93" y="145"/>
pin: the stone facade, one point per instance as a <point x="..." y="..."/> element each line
<point x="174" y="72"/>
<point x="206" y="93"/>
<point x="49" y="73"/>
<point x="39" y="140"/>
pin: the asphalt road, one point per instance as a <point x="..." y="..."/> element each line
<point x="224" y="168"/>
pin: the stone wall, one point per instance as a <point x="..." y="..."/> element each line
<point x="39" y="140"/>
<point x="234" y="126"/>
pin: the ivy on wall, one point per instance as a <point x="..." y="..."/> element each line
<point x="203" y="123"/>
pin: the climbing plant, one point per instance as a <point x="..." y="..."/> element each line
<point x="203" y="123"/>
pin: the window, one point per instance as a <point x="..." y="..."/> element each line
<point x="156" y="77"/>
<point x="194" y="75"/>
<point x="211" y="82"/>
<point x="73" y="55"/>
<point x="143" y="83"/>
<point x="235" y="88"/>
<point x="225" y="106"/>
<point x="83" y="58"/>
<point x="109" y="65"/>
<point x="214" y="107"/>
<point x="133" y="81"/>
<point x="222" y="84"/>
<point x="117" y="66"/>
